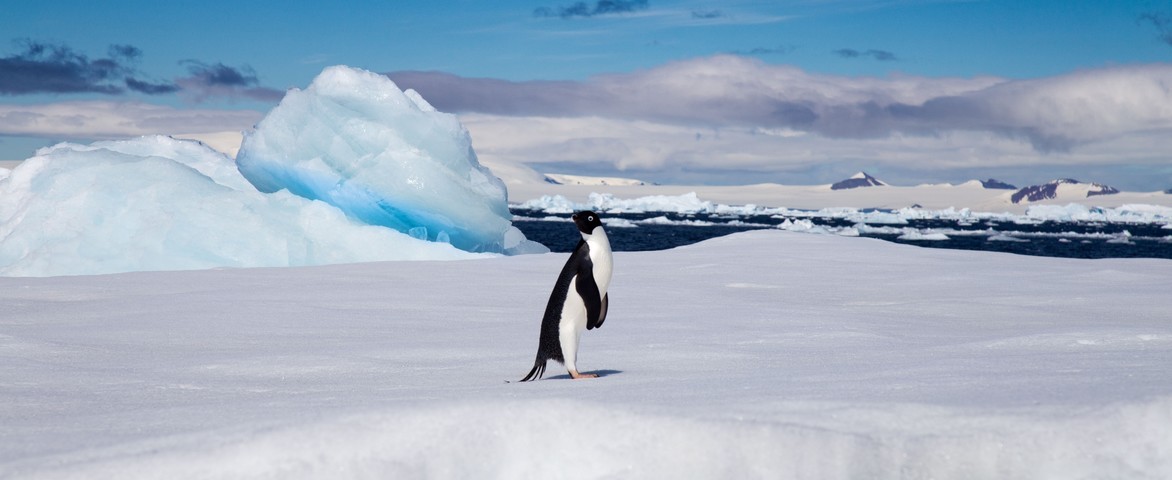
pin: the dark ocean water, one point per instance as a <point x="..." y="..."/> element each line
<point x="1050" y="238"/>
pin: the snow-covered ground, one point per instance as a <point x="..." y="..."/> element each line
<point x="765" y="354"/>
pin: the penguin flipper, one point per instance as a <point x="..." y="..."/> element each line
<point x="601" y="314"/>
<point x="588" y="290"/>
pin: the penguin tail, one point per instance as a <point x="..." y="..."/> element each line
<point x="537" y="372"/>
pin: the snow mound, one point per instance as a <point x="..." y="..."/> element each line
<point x="383" y="156"/>
<point x="916" y="235"/>
<point x="157" y="203"/>
<point x="1003" y="237"/>
<point x="532" y="439"/>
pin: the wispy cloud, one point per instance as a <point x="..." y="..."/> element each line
<point x="49" y="68"/>
<point x="45" y="68"/>
<point x="707" y="14"/>
<point x="778" y="50"/>
<point x="151" y="88"/>
<point x="315" y="59"/>
<point x="586" y="10"/>
<point x="219" y="80"/>
<point x="706" y="18"/>
<point x="880" y="55"/>
<point x="1163" y="23"/>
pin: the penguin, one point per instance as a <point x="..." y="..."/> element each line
<point x="579" y="299"/>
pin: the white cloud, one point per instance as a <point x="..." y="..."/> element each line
<point x="727" y="113"/>
<point x="106" y="119"/>
<point x="741" y="120"/>
<point x="730" y="91"/>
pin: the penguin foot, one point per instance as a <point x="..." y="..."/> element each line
<point x="579" y="376"/>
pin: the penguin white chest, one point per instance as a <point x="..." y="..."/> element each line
<point x="601" y="258"/>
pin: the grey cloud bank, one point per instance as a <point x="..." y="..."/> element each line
<point x="48" y="68"/>
<point x="41" y="68"/>
<point x="735" y="119"/>
<point x="731" y="119"/>
<point x="1053" y="114"/>
<point x="106" y="120"/>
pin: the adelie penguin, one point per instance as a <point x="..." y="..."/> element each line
<point x="578" y="301"/>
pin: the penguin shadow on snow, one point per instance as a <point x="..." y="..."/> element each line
<point x="600" y="373"/>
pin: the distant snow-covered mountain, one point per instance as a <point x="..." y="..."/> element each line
<point x="1061" y="188"/>
<point x="858" y="180"/>
<point x="562" y="179"/>
<point x="990" y="195"/>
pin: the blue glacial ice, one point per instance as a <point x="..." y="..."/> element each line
<point x="383" y="156"/>
<point x="157" y="203"/>
<point x="318" y="182"/>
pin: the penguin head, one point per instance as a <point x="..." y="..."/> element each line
<point x="586" y="221"/>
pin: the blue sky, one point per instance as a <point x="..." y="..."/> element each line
<point x="948" y="77"/>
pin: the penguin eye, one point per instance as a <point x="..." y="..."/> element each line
<point x="590" y="218"/>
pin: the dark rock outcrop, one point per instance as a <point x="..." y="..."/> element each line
<point x="1046" y="191"/>
<point x="994" y="184"/>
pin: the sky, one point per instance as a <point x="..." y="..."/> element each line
<point x="697" y="92"/>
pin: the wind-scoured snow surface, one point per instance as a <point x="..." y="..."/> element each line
<point x="354" y="140"/>
<point x="764" y="354"/>
<point x="157" y="203"/>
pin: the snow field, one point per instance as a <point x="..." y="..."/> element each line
<point x="766" y="354"/>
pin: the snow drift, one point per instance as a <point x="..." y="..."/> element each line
<point x="759" y="355"/>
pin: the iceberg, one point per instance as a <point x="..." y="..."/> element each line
<point x="383" y="156"/>
<point x="606" y="202"/>
<point x="319" y="182"/>
<point x="915" y="235"/>
<point x="157" y="203"/>
<point x="690" y="203"/>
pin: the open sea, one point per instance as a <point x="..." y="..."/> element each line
<point x="660" y="231"/>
